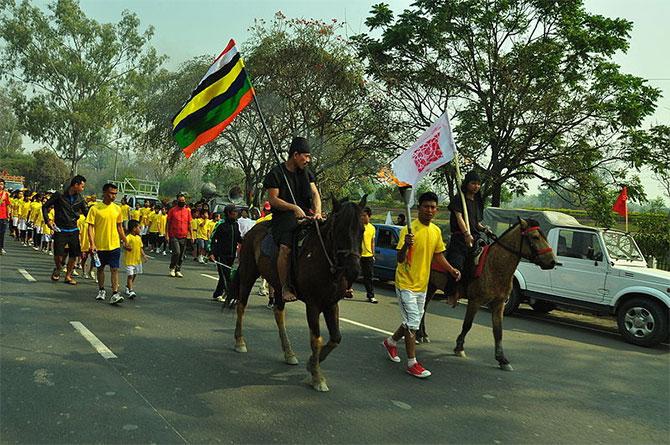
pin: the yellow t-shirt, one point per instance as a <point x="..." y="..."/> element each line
<point x="210" y="227"/>
<point x="133" y="257"/>
<point x="154" y="220"/>
<point x="135" y="214"/>
<point x="24" y="208"/>
<point x="201" y="231"/>
<point x="14" y="205"/>
<point x="144" y="215"/>
<point x="45" y="227"/>
<point x="195" y="222"/>
<point x="414" y="273"/>
<point x="368" y="237"/>
<point x="83" y="234"/>
<point x="125" y="212"/>
<point x="163" y="224"/>
<point x="104" y="219"/>
<point x="35" y="211"/>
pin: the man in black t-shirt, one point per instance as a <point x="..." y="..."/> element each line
<point x="288" y="208"/>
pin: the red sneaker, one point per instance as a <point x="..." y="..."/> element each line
<point x="418" y="371"/>
<point x="391" y="351"/>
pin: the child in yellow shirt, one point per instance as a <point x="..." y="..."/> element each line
<point x="134" y="256"/>
<point x="202" y="235"/>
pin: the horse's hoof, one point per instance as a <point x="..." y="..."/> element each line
<point x="321" y="386"/>
<point x="291" y="360"/>
<point x="506" y="367"/>
<point x="240" y="348"/>
<point x="460" y="354"/>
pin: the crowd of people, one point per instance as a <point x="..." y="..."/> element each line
<point x="86" y="233"/>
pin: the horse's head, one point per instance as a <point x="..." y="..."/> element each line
<point x="534" y="245"/>
<point x="347" y="236"/>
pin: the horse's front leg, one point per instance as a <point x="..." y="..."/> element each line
<point x="497" y="307"/>
<point x="332" y="316"/>
<point x="280" y="319"/>
<point x="316" y="342"/>
<point x="473" y="307"/>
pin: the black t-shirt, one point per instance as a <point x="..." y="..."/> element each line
<point x="475" y="213"/>
<point x="299" y="180"/>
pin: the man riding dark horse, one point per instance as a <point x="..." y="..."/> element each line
<point x="291" y="205"/>
<point x="463" y="240"/>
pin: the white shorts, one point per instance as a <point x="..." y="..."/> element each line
<point x="144" y="230"/>
<point x="134" y="270"/>
<point x="15" y="221"/>
<point x="22" y="224"/>
<point x="411" y="307"/>
<point x="46" y="238"/>
<point x="38" y="229"/>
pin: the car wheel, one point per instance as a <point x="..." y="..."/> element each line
<point x="512" y="302"/>
<point x="643" y="322"/>
<point x="543" y="307"/>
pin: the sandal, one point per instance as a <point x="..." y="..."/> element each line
<point x="55" y="275"/>
<point x="70" y="281"/>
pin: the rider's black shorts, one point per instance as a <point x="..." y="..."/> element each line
<point x="283" y="228"/>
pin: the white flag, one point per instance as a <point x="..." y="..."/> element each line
<point x="434" y="148"/>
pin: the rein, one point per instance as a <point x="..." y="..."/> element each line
<point x="535" y="253"/>
<point x="334" y="267"/>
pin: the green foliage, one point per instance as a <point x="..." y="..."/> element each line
<point x="653" y="235"/>
<point x="75" y="71"/>
<point x="48" y="171"/>
<point x="10" y="137"/>
<point x="530" y="86"/>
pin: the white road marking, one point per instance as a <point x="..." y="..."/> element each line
<point x="372" y="328"/>
<point x="93" y="340"/>
<point x="210" y="276"/>
<point x="26" y="275"/>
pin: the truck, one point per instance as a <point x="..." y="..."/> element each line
<point x="599" y="270"/>
<point x="137" y="191"/>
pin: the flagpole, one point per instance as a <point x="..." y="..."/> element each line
<point x="272" y="144"/>
<point x="460" y="192"/>
<point x="626" y="203"/>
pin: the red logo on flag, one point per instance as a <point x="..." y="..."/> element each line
<point x="427" y="153"/>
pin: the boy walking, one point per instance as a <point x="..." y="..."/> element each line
<point x="106" y="235"/>
<point x="368" y="254"/>
<point x="133" y="257"/>
<point x="416" y="250"/>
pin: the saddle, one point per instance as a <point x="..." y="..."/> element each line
<point x="475" y="260"/>
<point x="270" y="248"/>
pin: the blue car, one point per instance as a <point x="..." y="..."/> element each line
<point x="386" y="240"/>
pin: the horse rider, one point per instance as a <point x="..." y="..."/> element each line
<point x="288" y="208"/>
<point x="463" y="239"/>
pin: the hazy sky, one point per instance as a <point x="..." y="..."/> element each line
<point x="185" y="28"/>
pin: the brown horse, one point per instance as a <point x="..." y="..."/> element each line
<point x="327" y="263"/>
<point x="492" y="288"/>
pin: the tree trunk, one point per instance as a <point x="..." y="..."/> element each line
<point x="496" y="194"/>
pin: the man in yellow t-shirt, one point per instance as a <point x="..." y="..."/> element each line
<point x="417" y="249"/>
<point x="154" y="222"/>
<point x="368" y="254"/>
<point x="125" y="213"/>
<point x="106" y="235"/>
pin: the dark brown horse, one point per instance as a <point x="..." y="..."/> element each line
<point x="327" y="263"/>
<point x="492" y="288"/>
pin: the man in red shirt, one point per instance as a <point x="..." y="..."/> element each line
<point x="178" y="229"/>
<point x="5" y="211"/>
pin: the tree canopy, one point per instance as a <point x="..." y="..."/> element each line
<point x="530" y="85"/>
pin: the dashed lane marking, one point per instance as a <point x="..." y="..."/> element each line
<point x="372" y="328"/>
<point x="210" y="276"/>
<point x="93" y="340"/>
<point x="26" y="275"/>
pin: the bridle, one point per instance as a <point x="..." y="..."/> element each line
<point x="335" y="265"/>
<point x="525" y="237"/>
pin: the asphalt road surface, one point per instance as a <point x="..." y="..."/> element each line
<point x="170" y="374"/>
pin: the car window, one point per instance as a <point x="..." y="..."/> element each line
<point x="581" y="245"/>
<point x="386" y="239"/>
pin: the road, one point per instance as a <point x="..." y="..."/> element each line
<point x="176" y="379"/>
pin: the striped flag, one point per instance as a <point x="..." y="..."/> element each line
<point x="219" y="97"/>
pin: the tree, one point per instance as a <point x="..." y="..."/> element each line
<point x="652" y="147"/>
<point x="77" y="70"/>
<point x="48" y="171"/>
<point x="10" y="137"/>
<point x="530" y="85"/>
